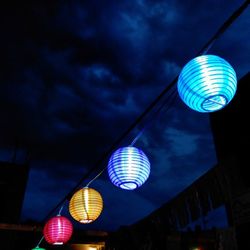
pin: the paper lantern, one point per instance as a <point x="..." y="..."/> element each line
<point x="207" y="83"/>
<point x="86" y="205"/>
<point x="58" y="230"/>
<point x="128" y="168"/>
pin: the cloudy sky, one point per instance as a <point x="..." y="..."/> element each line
<point x="75" y="75"/>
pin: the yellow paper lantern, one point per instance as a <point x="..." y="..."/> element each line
<point x="86" y="205"/>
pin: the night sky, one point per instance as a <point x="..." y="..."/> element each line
<point x="76" y="74"/>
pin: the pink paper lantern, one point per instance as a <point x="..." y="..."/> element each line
<point x="58" y="230"/>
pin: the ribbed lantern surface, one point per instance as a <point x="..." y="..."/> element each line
<point x="207" y="83"/>
<point x="58" y="230"/>
<point x="86" y="205"/>
<point x="128" y="168"/>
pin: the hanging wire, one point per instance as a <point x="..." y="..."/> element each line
<point x="96" y="177"/>
<point x="167" y="103"/>
<point x="204" y="50"/>
<point x="40" y="241"/>
<point x="59" y="213"/>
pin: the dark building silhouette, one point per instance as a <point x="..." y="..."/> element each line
<point x="13" y="179"/>
<point x="232" y="140"/>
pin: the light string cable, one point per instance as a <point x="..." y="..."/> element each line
<point x="167" y="103"/>
<point x="224" y="27"/>
<point x="204" y="50"/>
<point x="60" y="210"/>
<point x="95" y="177"/>
<point x="39" y="242"/>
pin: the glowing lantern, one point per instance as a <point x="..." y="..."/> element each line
<point x="128" y="168"/>
<point x="86" y="205"/>
<point x="58" y="230"/>
<point x="207" y="83"/>
<point x="38" y="248"/>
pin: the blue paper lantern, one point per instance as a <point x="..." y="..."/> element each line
<point x="128" y="168"/>
<point x="207" y="83"/>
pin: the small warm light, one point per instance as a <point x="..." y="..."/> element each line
<point x="86" y="205"/>
<point x="128" y="168"/>
<point x="58" y="230"/>
<point x="196" y="248"/>
<point x="96" y="246"/>
<point x="207" y="83"/>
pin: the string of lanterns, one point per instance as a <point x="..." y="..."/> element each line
<point x="206" y="84"/>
